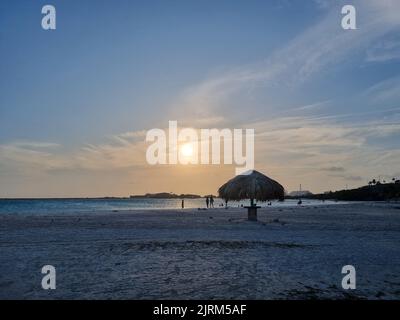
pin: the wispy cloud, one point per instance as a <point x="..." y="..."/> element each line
<point x="322" y="45"/>
<point x="295" y="147"/>
<point x="122" y="151"/>
<point x="333" y="169"/>
<point x="35" y="153"/>
<point x="384" y="91"/>
<point x="302" y="144"/>
<point x="323" y="4"/>
<point x="384" y="51"/>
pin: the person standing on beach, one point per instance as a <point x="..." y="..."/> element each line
<point x="207" y="201"/>
<point x="211" y="202"/>
<point x="183" y="203"/>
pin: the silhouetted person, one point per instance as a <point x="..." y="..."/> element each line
<point x="212" y="202"/>
<point x="183" y="203"/>
<point x="207" y="201"/>
<point x="299" y="202"/>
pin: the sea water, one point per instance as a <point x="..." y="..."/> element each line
<point x="60" y="206"/>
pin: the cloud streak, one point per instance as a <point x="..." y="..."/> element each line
<point x="301" y="144"/>
<point x="322" y="45"/>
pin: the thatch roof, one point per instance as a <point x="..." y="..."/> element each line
<point x="251" y="186"/>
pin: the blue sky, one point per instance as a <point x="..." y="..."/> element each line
<point x="117" y="64"/>
<point x="74" y="102"/>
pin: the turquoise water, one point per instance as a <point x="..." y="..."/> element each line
<point x="60" y="206"/>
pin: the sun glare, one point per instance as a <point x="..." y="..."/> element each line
<point x="187" y="150"/>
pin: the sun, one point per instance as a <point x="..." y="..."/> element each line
<point x="186" y="150"/>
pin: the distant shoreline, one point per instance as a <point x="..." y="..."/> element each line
<point x="161" y="195"/>
<point x="379" y="192"/>
<point x="102" y="198"/>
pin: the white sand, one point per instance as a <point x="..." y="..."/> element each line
<point x="213" y="254"/>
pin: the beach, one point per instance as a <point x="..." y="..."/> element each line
<point x="289" y="253"/>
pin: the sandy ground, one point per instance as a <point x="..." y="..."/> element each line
<point x="290" y="253"/>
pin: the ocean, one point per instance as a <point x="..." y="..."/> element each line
<point x="62" y="206"/>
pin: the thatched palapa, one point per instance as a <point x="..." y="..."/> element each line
<point x="253" y="186"/>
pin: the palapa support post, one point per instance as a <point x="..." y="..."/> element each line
<point x="252" y="211"/>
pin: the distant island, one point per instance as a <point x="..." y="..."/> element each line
<point x="297" y="194"/>
<point x="166" y="195"/>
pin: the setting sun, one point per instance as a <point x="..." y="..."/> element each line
<point x="187" y="150"/>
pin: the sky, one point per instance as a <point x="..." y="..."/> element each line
<point x="76" y="102"/>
